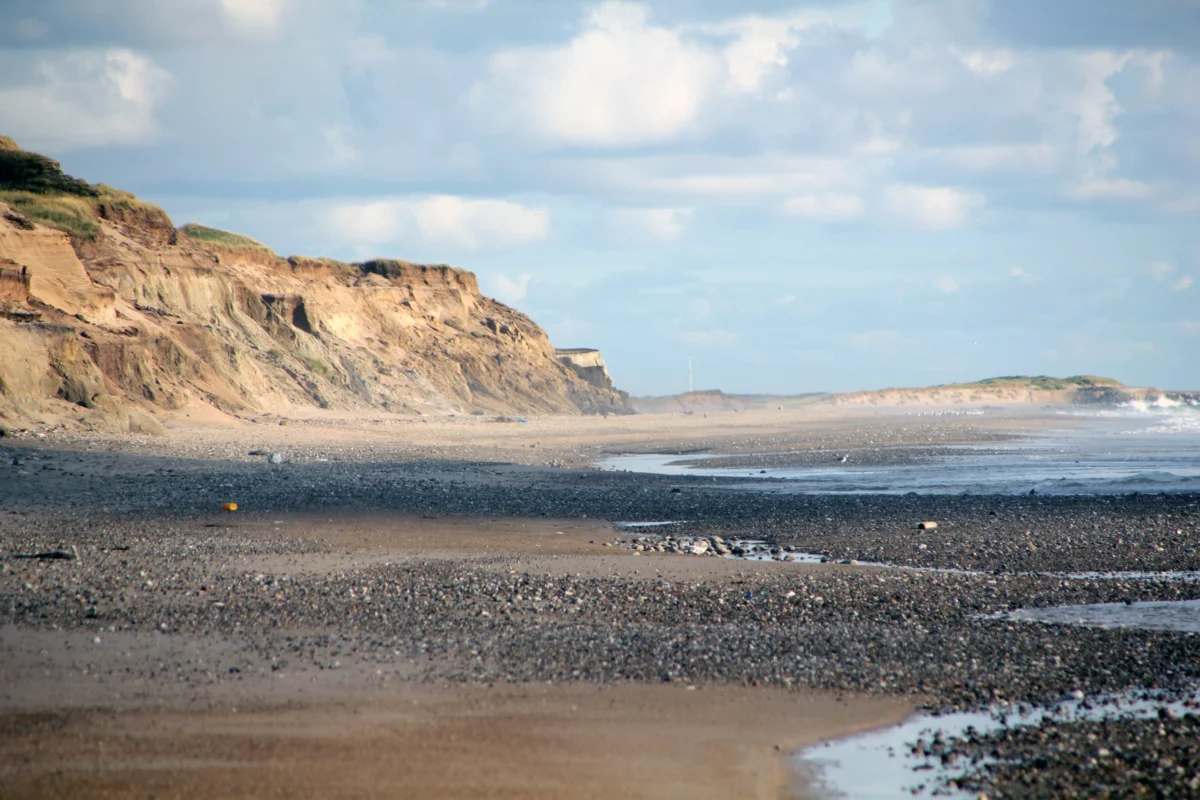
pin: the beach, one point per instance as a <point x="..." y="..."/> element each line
<point x="445" y="607"/>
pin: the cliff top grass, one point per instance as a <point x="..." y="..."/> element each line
<point x="1041" y="382"/>
<point x="71" y="214"/>
<point x="37" y="187"/>
<point x="220" y="238"/>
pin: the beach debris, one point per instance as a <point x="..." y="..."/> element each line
<point x="229" y="506"/>
<point x="52" y="555"/>
<point x="275" y="458"/>
<point x="927" y="525"/>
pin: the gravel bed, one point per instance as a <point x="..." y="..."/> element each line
<point x="151" y="560"/>
<point x="1120" y="758"/>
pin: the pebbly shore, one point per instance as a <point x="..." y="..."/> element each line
<point x="150" y="552"/>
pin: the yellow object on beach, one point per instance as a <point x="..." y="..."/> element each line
<point x="230" y="506"/>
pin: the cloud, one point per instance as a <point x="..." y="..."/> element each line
<point x="257" y="17"/>
<point x="1160" y="270"/>
<point x="786" y="300"/>
<point x="759" y="49"/>
<point x="945" y="284"/>
<point x="1022" y="275"/>
<point x="508" y="290"/>
<point x="987" y="63"/>
<point x="1095" y="106"/>
<point x="1096" y="109"/>
<point x="931" y="207"/>
<point x="832" y="207"/>
<point x="471" y="224"/>
<point x="620" y="81"/>
<point x="651" y="224"/>
<point x="1164" y="272"/>
<point x="1190" y="327"/>
<point x="86" y="98"/>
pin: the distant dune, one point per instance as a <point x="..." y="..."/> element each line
<point x="1012" y="390"/>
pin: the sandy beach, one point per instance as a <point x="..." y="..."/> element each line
<point x="438" y="608"/>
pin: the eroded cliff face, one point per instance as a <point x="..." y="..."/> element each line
<point x="141" y="318"/>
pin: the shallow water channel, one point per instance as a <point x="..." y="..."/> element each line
<point x="881" y="765"/>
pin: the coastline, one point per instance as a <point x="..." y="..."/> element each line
<point x="496" y="588"/>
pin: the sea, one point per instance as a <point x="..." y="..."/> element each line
<point x="1133" y="448"/>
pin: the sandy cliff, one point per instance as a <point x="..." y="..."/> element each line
<point x="129" y="316"/>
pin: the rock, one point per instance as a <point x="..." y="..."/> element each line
<point x="698" y="548"/>
<point x="927" y="525"/>
<point x="275" y="458"/>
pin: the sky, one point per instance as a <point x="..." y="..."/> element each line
<point x="801" y="196"/>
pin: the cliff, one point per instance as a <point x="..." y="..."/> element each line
<point x="111" y="315"/>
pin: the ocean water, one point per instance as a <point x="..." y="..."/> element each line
<point x="1131" y="449"/>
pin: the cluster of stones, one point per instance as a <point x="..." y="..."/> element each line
<point x="706" y="546"/>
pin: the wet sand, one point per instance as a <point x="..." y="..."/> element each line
<point x="72" y="725"/>
<point x="445" y="563"/>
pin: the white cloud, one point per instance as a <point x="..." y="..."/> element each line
<point x="1160" y="270"/>
<point x="480" y="223"/>
<point x="620" y="81"/>
<point x="786" y="300"/>
<point x="759" y="49"/>
<point x="1191" y="327"/>
<point x="987" y="63"/>
<point x="258" y="17"/>
<point x="467" y="223"/>
<point x="652" y="224"/>
<point x="508" y="290"/>
<point x="1164" y="272"/>
<point x="1095" y="106"/>
<point x="931" y="207"/>
<point x="86" y="98"/>
<point x="832" y="207"/>
<point x="1022" y="275"/>
<point x="945" y="284"/>
<point x="1096" y="109"/>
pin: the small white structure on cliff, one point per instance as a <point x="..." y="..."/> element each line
<point x="587" y="364"/>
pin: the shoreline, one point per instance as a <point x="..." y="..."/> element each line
<point x="446" y="569"/>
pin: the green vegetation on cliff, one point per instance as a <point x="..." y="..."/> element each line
<point x="36" y="187"/>
<point x="220" y="238"/>
<point x="1042" y="382"/>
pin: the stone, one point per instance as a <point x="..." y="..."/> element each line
<point x="275" y="458"/>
